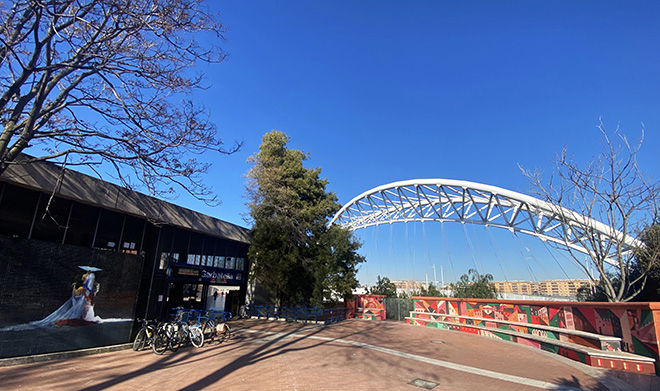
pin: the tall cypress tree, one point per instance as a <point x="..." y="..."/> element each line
<point x="295" y="255"/>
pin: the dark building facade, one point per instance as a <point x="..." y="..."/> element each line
<point x="78" y="251"/>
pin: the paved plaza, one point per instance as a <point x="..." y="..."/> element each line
<point x="351" y="355"/>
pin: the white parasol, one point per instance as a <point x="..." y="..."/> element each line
<point x="90" y="268"/>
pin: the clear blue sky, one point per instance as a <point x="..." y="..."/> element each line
<point x="381" y="91"/>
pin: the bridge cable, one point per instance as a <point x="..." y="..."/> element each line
<point x="445" y="244"/>
<point x="531" y="254"/>
<point x="409" y="252"/>
<point x="405" y="258"/>
<point x="474" y="261"/>
<point x="547" y="247"/>
<point x="391" y="249"/>
<point x="498" y="251"/>
<point x="414" y="254"/>
<point x="376" y="247"/>
<point x="476" y="241"/>
<point x="426" y="246"/>
<point x="375" y="250"/>
<point x="379" y="254"/>
<point x="522" y="254"/>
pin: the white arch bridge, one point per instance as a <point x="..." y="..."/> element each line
<point x="445" y="200"/>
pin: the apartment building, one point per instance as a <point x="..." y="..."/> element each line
<point x="544" y="288"/>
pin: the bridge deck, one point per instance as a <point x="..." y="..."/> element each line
<point x="355" y="354"/>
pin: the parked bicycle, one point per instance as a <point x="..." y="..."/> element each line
<point x="213" y="327"/>
<point x="243" y="312"/>
<point x="188" y="329"/>
<point x="191" y="332"/>
<point x="145" y="335"/>
<point x="181" y="329"/>
<point x="167" y="337"/>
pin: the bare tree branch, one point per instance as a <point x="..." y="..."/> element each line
<point x="612" y="189"/>
<point x="105" y="82"/>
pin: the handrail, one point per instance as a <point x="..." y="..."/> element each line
<point x="187" y="314"/>
<point x="296" y="314"/>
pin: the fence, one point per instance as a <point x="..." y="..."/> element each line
<point x="192" y="314"/>
<point x="298" y="314"/>
<point x="398" y="309"/>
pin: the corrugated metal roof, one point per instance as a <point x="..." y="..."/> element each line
<point x="77" y="186"/>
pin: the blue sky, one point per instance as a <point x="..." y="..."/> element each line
<point x="382" y="91"/>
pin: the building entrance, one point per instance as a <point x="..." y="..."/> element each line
<point x="202" y="296"/>
<point x="221" y="298"/>
<point x="185" y="295"/>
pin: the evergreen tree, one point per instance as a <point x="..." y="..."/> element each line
<point x="295" y="255"/>
<point x="645" y="269"/>
<point x="475" y="286"/>
<point x="335" y="265"/>
<point x="647" y="263"/>
<point x="384" y="287"/>
<point x="432" y="291"/>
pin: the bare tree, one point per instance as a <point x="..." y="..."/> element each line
<point x="610" y="189"/>
<point x="107" y="81"/>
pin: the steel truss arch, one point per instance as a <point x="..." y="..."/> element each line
<point x="446" y="200"/>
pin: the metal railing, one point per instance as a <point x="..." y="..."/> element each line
<point x="188" y="314"/>
<point x="298" y="314"/>
<point x="334" y="315"/>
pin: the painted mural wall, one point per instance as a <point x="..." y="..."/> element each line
<point x="370" y="307"/>
<point x="634" y="323"/>
<point x="57" y="297"/>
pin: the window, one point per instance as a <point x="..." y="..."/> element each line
<point x="240" y="263"/>
<point x="192" y="292"/>
<point x="17" y="209"/>
<point x="128" y="247"/>
<point x="50" y="225"/>
<point x="131" y="236"/>
<point x="180" y="244"/>
<point x="165" y="259"/>
<point x="109" y="230"/>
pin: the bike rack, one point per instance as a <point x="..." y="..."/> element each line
<point x="188" y="314"/>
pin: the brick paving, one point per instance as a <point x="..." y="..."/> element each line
<point x="356" y="354"/>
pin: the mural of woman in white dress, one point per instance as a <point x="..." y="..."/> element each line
<point x="77" y="311"/>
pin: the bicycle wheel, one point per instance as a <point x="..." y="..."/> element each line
<point x="177" y="336"/>
<point x="161" y="340"/>
<point x="196" y="336"/>
<point x="226" y="335"/>
<point x="140" y="340"/>
<point x="209" y="331"/>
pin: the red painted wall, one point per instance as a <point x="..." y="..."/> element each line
<point x="368" y="307"/>
<point x="637" y="324"/>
